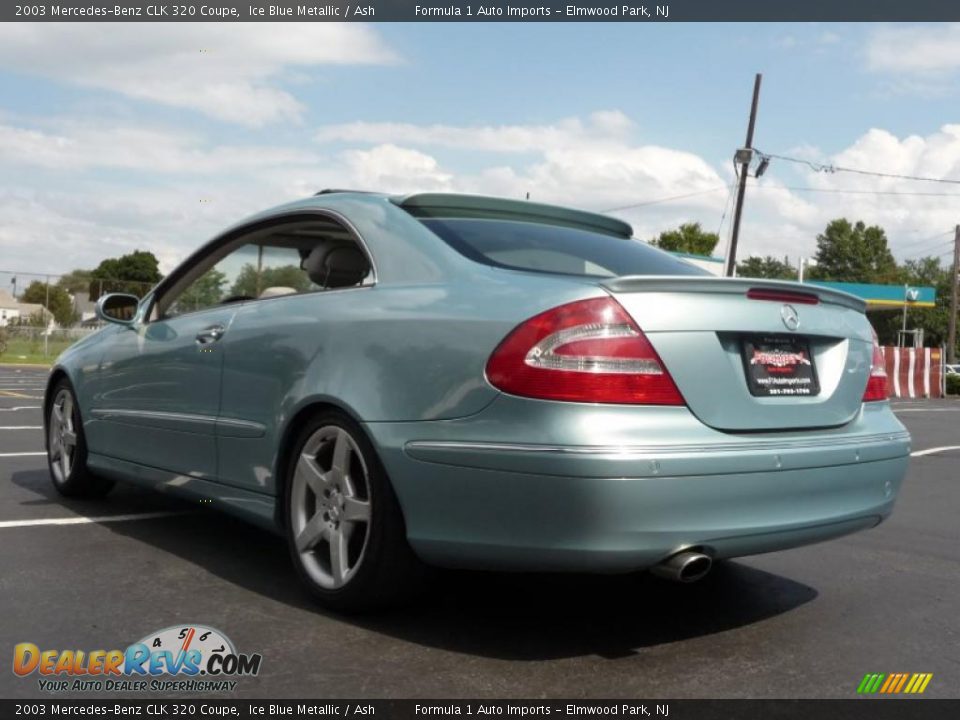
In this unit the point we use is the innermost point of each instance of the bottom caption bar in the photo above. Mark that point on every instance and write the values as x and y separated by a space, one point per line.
863 707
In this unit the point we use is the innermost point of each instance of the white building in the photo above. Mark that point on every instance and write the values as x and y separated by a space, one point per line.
13 311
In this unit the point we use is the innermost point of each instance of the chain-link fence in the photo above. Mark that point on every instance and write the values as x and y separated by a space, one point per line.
23 343
41 314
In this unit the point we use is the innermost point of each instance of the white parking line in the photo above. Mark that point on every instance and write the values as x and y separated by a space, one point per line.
21 427
934 450
23 454
84 520
20 407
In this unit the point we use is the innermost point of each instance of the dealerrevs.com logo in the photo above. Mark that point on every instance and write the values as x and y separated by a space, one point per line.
182 658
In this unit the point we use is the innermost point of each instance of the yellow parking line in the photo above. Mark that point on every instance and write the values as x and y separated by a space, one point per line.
11 393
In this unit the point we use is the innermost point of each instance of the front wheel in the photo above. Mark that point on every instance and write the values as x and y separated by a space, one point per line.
67 448
344 526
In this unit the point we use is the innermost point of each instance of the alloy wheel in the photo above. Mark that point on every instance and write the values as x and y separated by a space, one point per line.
63 436
330 507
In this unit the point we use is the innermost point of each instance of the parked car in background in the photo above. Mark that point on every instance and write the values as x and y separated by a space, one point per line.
952 369
458 381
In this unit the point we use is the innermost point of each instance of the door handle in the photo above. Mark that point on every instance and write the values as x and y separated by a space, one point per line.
210 334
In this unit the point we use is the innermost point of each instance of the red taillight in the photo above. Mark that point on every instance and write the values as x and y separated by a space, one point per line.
877 382
787 296
587 351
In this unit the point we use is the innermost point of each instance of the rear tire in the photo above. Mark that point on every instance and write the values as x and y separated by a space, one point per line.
344 526
67 447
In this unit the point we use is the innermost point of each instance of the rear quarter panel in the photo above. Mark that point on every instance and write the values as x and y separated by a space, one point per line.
388 353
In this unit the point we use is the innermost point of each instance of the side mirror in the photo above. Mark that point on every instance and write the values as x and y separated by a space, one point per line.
118 308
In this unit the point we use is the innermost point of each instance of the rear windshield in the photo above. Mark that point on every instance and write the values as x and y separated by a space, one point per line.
553 249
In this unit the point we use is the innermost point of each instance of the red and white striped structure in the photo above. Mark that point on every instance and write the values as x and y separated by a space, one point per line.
914 372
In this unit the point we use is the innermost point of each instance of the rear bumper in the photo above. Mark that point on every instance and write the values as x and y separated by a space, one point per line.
490 491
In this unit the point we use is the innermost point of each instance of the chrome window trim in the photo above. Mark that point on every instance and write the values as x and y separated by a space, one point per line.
237 233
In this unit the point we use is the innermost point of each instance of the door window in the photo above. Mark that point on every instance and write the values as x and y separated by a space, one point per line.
286 260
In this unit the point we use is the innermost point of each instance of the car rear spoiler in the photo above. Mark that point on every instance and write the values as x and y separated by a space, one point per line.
730 286
448 205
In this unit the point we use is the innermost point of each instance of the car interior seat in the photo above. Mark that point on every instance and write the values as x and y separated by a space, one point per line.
336 264
278 290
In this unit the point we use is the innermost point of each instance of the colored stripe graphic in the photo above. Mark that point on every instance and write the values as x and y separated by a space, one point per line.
894 683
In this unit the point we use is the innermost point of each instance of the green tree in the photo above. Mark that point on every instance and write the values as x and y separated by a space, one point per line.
134 273
76 281
248 284
205 292
688 238
849 252
766 267
926 272
54 298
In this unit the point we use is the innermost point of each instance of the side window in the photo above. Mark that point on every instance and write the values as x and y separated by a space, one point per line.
250 272
270 271
287 260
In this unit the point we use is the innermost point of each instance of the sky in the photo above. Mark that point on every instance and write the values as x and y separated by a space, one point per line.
151 136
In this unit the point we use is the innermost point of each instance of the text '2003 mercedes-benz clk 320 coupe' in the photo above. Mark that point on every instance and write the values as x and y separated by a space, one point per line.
459 381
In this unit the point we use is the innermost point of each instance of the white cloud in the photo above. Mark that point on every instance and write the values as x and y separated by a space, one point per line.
787 42
816 43
914 50
389 168
74 147
787 221
592 162
229 71
600 127
82 214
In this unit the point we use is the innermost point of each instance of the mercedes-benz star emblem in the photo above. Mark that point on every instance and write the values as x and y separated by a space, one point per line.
790 317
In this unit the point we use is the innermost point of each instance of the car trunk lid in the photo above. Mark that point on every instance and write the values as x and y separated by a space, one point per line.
755 355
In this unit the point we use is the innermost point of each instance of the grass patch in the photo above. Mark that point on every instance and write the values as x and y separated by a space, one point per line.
30 351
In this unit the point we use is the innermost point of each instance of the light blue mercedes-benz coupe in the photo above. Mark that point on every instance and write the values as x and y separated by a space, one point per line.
459 381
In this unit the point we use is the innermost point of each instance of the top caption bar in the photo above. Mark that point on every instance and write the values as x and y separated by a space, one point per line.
457 11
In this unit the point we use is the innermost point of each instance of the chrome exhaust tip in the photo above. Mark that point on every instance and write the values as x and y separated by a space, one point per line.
684 567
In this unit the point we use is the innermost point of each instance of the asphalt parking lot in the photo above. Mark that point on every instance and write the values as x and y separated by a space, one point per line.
805 623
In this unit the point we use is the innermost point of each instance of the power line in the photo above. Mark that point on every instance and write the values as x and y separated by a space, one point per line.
793 188
666 199
726 208
928 239
852 191
826 168
925 252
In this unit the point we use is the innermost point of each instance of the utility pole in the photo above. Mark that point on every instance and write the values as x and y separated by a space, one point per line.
952 334
743 156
